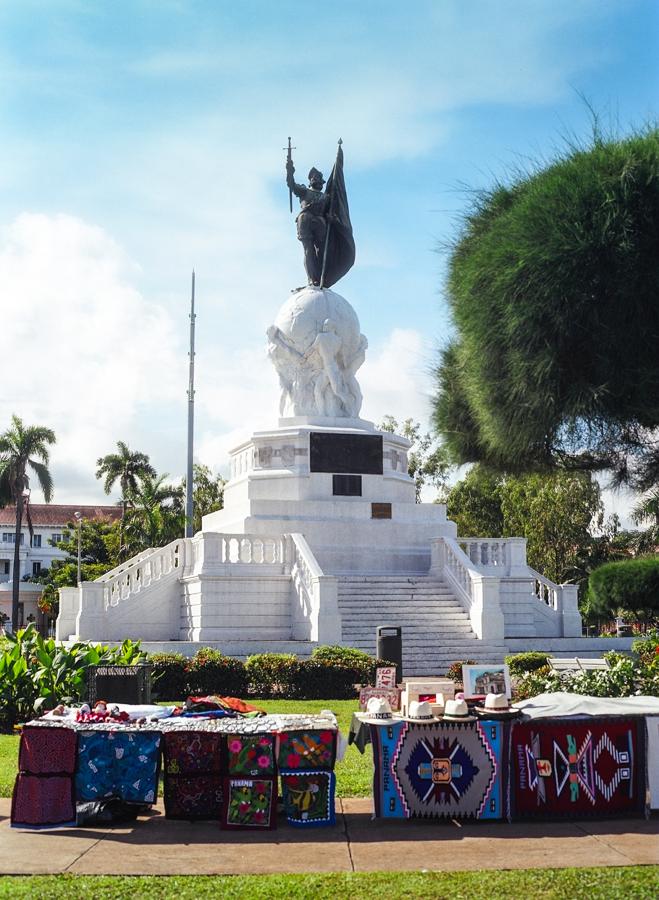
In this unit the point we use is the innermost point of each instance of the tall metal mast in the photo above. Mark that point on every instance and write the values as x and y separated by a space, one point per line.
189 507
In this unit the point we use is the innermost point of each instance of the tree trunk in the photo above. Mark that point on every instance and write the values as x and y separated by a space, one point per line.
124 505
16 582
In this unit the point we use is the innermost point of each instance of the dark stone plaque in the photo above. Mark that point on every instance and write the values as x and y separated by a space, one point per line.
380 510
356 454
347 485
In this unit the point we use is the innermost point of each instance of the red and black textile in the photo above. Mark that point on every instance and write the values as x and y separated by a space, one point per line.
249 803
44 791
193 783
578 767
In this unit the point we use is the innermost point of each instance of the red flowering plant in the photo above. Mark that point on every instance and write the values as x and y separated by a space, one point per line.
251 755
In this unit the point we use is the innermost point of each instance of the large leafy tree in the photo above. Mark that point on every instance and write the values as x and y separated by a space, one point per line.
207 494
23 451
427 461
560 514
128 468
553 286
474 504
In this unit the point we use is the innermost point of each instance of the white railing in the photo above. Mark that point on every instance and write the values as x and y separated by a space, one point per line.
478 591
122 567
546 591
486 552
253 549
315 595
457 567
144 571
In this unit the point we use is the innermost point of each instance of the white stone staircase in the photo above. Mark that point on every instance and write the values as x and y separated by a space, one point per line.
436 628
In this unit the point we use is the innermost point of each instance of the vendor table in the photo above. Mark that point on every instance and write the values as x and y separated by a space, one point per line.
558 767
225 769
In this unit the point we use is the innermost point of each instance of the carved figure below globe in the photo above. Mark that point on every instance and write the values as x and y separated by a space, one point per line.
316 347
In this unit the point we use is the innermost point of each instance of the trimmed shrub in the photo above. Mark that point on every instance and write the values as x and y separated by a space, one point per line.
631 585
210 672
169 675
454 671
274 675
531 661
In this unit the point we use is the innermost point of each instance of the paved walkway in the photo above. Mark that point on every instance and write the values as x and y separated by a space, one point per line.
156 846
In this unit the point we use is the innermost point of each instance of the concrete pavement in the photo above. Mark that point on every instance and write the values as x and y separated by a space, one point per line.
156 846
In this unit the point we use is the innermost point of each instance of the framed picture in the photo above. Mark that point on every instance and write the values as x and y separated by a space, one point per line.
492 679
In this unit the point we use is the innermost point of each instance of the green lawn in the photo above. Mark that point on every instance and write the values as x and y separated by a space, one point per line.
353 774
539 884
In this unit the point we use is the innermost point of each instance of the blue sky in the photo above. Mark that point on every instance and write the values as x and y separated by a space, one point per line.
141 139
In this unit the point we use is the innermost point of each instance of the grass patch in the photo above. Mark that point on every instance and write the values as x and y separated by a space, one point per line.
545 884
354 774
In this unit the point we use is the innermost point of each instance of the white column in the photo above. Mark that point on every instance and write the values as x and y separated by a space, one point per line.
91 619
569 611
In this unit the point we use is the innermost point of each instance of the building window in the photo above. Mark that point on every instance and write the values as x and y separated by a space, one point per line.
4 566
36 540
36 568
55 539
9 537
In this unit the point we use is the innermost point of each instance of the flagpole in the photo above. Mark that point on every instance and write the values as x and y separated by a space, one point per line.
189 487
329 221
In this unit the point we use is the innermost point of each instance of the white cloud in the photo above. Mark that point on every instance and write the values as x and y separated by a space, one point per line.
84 352
395 378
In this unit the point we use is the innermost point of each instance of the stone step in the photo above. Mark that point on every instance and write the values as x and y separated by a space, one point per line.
393 592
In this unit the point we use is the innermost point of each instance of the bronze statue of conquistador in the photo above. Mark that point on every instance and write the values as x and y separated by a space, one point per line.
311 221
323 223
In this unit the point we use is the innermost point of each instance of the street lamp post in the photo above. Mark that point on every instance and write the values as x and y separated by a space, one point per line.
78 517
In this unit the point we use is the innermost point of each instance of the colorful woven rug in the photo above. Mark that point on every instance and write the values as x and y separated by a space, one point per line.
249 803
118 764
578 767
309 798
44 789
192 780
440 769
306 749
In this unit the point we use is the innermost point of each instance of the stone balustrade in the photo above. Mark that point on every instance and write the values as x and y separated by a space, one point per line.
477 590
145 570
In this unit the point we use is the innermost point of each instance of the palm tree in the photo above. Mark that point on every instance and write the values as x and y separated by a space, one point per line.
157 516
22 448
647 510
128 468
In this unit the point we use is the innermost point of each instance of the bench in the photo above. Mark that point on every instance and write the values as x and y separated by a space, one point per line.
577 664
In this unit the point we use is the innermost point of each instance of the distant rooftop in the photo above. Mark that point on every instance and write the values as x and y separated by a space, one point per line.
58 514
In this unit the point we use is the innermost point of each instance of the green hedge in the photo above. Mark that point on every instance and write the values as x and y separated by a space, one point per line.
630 586
531 661
208 672
330 672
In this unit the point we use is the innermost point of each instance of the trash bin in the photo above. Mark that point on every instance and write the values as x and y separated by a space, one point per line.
389 643
119 684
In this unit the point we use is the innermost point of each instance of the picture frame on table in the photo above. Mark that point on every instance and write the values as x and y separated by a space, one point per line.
478 680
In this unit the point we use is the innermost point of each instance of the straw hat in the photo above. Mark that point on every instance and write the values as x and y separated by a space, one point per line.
457 711
378 711
496 706
420 711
